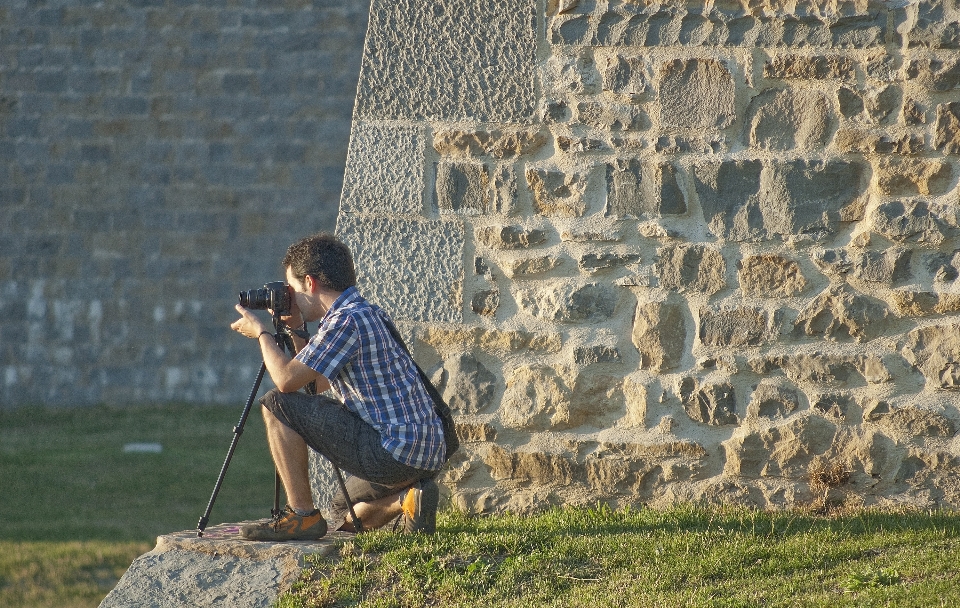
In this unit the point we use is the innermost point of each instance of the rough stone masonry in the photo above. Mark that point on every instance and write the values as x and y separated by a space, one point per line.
670 251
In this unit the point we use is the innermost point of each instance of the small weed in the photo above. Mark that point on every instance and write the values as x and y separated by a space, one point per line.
870 579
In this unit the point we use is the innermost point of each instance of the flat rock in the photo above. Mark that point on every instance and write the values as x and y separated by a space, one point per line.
220 569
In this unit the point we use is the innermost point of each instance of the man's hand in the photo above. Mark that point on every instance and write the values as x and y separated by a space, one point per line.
293 318
248 324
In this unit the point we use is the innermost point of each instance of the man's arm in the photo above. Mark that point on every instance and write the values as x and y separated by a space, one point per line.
287 373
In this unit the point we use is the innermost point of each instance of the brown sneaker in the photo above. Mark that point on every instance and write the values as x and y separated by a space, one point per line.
287 525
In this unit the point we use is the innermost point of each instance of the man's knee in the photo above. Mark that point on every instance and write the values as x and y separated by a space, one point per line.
272 409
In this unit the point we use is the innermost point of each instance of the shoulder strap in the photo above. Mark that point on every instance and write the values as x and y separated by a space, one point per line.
439 405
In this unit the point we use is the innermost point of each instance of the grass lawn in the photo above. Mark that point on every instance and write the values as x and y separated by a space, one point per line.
75 509
682 557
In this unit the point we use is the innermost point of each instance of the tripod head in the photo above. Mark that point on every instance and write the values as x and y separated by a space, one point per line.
284 335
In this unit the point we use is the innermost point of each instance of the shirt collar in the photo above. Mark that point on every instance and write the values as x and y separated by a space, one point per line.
350 294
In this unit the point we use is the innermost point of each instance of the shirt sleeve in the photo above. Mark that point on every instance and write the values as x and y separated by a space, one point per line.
331 349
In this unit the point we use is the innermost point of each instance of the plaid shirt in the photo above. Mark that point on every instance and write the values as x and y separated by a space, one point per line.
376 379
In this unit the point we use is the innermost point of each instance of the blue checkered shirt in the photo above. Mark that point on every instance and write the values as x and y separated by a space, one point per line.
376 379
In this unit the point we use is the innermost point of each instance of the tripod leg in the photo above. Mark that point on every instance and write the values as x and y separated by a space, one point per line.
237 431
357 525
277 482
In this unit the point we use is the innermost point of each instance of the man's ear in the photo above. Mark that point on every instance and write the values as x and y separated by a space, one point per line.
310 284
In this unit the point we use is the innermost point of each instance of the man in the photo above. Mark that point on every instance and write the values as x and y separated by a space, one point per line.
381 428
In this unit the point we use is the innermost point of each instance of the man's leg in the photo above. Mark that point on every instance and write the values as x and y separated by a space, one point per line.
295 421
291 458
376 513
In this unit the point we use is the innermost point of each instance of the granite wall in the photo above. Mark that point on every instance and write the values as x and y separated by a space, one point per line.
668 251
157 157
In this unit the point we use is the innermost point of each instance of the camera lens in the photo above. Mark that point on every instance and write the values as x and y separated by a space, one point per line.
255 299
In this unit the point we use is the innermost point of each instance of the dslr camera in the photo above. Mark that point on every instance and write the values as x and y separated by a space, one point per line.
275 296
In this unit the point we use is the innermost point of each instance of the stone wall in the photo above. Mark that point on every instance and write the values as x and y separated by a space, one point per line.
658 252
157 157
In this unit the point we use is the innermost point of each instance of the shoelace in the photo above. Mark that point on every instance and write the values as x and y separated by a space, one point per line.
277 518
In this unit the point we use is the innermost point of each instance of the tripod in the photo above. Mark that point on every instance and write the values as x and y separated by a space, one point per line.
285 343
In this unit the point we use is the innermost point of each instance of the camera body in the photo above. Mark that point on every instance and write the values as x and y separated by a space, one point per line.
274 296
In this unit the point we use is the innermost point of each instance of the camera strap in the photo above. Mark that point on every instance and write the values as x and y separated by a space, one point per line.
439 405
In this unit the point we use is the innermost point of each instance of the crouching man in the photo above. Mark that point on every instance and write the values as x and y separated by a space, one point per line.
380 425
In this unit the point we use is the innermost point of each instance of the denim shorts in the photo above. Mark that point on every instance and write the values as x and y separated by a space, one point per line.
348 442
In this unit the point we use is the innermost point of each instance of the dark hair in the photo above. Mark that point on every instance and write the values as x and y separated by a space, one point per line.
325 258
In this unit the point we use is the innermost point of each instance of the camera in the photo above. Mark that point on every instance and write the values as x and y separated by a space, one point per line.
275 296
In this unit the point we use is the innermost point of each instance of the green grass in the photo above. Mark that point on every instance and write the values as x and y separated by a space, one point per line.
682 557
75 509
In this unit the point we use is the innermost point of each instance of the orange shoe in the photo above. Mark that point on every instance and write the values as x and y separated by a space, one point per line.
420 507
287 525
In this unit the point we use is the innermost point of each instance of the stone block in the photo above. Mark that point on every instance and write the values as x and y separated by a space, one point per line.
524 267
497 143
935 351
567 302
774 400
947 138
557 194
486 302
504 190
599 353
911 176
913 113
468 432
433 63
882 104
736 327
384 171
689 267
819 368
612 116
696 94
600 261
936 25
714 404
934 73
851 102
743 200
624 75
818 67
910 222
913 422
635 400
573 72
833 262
785 119
769 275
841 312
641 191
783 450
462 188
873 143
455 340
542 468
540 398
889 267
403 248
860 31
837 407
510 237
467 386
659 333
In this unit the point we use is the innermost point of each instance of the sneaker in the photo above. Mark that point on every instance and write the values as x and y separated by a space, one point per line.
420 507
287 525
